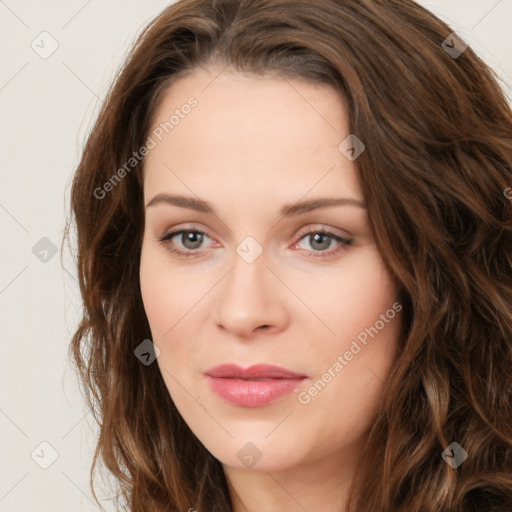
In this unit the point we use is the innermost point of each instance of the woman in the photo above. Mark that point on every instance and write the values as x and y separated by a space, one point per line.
233 363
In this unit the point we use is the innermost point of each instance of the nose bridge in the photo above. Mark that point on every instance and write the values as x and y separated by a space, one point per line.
249 297
248 280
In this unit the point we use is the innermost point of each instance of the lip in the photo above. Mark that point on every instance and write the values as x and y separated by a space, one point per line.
254 372
256 386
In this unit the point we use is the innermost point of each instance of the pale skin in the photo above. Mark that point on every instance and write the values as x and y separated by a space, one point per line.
249 147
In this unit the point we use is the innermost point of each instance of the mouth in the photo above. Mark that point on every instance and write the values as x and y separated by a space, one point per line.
255 386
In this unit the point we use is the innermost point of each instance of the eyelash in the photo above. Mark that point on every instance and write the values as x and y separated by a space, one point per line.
317 254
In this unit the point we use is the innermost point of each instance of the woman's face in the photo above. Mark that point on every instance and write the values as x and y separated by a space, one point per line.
261 284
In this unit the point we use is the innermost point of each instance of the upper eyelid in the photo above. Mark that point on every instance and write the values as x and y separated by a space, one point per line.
319 227
315 226
299 234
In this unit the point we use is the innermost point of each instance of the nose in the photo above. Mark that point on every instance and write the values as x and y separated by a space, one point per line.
251 299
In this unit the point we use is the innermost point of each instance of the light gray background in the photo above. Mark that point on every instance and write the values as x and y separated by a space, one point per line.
47 107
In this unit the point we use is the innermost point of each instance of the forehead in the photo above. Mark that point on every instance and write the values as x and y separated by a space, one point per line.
247 132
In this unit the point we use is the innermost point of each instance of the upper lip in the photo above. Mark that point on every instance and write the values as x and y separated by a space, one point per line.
257 371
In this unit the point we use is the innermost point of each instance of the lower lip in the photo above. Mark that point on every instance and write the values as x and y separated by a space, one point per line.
252 393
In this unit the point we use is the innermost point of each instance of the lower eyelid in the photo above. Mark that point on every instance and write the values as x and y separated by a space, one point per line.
342 242
169 236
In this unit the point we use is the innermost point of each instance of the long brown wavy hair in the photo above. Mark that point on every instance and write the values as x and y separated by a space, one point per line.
435 175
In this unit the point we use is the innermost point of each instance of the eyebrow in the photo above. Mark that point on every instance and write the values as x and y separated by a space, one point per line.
289 210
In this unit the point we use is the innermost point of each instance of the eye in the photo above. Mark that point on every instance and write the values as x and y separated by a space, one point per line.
190 239
322 239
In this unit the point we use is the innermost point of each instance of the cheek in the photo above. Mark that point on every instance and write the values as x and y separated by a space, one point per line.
152 294
173 306
353 299
160 297
167 295
165 306
369 294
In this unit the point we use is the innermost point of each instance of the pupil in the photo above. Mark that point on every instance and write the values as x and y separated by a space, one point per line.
190 235
318 236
